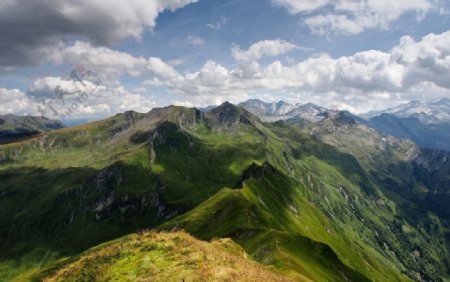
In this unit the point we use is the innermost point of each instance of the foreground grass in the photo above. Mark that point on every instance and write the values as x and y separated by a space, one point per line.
152 256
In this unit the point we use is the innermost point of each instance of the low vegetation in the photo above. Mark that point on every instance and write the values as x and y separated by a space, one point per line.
152 256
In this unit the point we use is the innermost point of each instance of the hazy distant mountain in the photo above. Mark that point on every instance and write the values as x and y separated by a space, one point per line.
282 110
432 135
436 111
208 108
426 123
14 127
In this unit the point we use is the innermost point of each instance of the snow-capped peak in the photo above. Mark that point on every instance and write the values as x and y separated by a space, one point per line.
435 111
283 110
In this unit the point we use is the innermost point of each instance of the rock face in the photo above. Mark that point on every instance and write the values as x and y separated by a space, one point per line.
229 116
124 121
344 118
255 171
178 115
102 192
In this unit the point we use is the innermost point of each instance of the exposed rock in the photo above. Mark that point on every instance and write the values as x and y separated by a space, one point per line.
255 171
111 175
228 115
122 122
343 118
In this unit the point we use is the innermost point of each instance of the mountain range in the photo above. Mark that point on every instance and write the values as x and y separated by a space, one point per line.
317 195
426 123
427 112
282 110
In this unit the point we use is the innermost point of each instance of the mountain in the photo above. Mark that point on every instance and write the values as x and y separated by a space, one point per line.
331 200
282 110
427 112
16 127
426 123
267 110
428 135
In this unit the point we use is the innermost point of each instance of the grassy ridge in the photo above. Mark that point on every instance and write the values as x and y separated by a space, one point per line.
269 219
165 256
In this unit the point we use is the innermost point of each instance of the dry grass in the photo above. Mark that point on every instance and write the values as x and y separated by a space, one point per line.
153 256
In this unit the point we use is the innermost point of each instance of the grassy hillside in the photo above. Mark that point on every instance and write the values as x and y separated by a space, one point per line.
310 209
272 222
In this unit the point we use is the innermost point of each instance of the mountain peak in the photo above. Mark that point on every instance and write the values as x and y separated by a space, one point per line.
344 118
230 115
254 100
226 107
178 114
282 110
267 111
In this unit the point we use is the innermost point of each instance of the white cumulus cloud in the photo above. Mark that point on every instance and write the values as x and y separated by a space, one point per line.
371 78
261 49
363 81
354 16
300 6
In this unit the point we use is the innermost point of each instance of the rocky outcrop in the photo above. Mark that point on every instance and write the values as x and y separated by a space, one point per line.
122 122
181 116
255 171
344 118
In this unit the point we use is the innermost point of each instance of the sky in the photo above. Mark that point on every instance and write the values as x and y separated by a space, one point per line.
85 60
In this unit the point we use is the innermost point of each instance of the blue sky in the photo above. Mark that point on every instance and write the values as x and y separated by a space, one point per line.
348 54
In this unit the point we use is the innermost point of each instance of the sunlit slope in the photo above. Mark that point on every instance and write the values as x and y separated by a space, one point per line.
152 256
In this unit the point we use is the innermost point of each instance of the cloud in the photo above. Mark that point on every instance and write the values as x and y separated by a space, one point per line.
426 60
14 101
261 49
371 78
353 16
109 101
301 6
218 25
33 29
110 64
195 40
363 81
78 100
49 87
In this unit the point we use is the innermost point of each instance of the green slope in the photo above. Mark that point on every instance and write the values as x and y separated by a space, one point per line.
317 213
273 222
